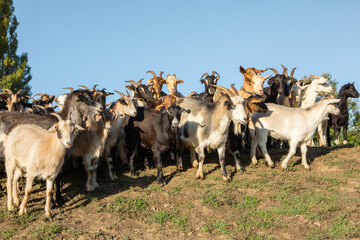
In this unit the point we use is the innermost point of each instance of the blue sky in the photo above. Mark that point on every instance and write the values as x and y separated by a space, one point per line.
70 43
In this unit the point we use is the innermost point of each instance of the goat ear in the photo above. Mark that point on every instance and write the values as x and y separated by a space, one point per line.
202 81
79 128
180 81
229 105
162 81
185 110
242 70
270 81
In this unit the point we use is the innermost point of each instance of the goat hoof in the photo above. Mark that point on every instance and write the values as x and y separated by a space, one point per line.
199 176
227 179
180 167
60 201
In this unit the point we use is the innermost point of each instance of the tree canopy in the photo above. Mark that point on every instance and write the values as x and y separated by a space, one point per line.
14 69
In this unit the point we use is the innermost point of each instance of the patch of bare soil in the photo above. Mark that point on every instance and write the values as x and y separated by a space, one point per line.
261 203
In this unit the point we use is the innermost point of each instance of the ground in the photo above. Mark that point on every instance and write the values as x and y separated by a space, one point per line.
261 203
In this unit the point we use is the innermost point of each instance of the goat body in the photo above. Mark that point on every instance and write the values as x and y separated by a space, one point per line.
282 122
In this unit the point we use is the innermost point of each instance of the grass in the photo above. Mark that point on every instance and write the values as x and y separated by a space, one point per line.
8 233
219 226
211 199
47 231
130 207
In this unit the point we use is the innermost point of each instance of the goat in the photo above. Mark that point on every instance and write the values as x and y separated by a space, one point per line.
141 94
207 126
253 81
14 102
118 110
37 152
316 87
346 91
156 84
277 84
209 81
172 82
155 131
79 105
282 122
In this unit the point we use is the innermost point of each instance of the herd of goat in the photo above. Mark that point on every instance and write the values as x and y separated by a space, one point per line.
36 140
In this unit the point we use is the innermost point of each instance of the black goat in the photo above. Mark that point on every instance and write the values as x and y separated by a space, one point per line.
341 120
155 131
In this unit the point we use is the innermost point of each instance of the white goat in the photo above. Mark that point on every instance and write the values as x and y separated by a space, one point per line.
317 86
37 152
293 124
207 126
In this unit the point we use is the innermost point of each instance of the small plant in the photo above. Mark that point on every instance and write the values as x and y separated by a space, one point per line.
161 217
211 199
47 231
8 233
219 226
131 207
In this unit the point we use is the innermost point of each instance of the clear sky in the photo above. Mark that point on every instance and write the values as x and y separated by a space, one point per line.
75 42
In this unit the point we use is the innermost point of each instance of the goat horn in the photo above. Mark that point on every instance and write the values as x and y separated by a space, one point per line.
152 72
284 71
70 88
273 69
95 87
121 94
84 87
57 116
139 82
39 94
161 73
224 89
128 94
133 83
39 106
205 74
7 90
292 72
314 76
236 92
20 91
31 98
214 72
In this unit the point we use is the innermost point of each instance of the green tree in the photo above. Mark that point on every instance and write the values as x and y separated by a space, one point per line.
14 69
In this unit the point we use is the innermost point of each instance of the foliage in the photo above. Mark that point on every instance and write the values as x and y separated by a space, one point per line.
14 69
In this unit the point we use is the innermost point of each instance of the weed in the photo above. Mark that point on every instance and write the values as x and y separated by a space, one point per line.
211 199
8 233
25 219
131 207
161 217
47 231
219 226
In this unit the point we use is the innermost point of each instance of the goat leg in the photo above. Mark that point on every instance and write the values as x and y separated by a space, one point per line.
59 200
159 165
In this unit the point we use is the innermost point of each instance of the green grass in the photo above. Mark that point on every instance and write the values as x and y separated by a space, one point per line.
25 219
164 217
47 231
219 226
8 233
211 199
130 207
339 229
161 217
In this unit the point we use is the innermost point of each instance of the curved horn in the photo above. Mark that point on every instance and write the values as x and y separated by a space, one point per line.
70 88
213 73
284 70
31 98
7 90
39 106
95 87
152 72
236 92
20 91
121 94
139 82
161 73
57 116
133 82
205 74
273 69
39 94
292 72
227 91
84 87
314 76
